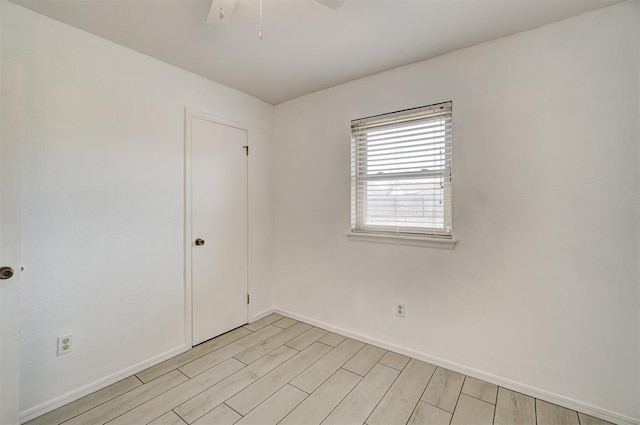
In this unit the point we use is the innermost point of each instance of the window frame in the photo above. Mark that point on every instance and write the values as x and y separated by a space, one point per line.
404 235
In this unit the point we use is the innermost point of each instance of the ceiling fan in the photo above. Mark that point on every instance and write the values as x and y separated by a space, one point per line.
221 10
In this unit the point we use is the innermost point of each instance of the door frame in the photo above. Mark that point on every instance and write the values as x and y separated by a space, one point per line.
190 114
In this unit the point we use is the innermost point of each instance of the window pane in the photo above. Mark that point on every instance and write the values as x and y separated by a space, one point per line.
405 203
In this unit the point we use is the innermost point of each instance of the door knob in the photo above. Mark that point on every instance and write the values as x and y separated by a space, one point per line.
199 242
6 273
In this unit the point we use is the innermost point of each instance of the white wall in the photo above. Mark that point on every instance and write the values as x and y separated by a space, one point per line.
542 288
10 187
103 203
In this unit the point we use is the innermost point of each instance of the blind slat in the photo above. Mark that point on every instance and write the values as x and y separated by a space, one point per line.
437 128
436 162
408 150
404 175
395 138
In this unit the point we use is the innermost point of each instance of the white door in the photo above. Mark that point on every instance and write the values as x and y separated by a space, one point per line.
10 136
218 227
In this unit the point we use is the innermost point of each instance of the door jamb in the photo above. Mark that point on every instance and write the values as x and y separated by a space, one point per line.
189 114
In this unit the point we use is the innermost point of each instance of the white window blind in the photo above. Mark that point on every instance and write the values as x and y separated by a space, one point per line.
401 172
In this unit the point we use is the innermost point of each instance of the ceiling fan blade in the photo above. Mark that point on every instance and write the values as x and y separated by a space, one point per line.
332 4
220 11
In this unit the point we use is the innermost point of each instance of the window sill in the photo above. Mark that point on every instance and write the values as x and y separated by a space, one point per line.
425 241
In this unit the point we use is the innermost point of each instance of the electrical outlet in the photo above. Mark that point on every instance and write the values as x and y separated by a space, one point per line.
400 309
65 344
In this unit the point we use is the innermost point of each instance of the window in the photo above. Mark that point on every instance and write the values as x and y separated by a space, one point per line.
401 174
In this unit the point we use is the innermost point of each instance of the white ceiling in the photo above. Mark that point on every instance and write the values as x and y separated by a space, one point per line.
306 46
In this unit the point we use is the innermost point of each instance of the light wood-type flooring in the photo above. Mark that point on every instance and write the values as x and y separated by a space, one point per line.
281 371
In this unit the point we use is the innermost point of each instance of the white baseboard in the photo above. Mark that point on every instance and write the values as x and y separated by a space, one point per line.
50 405
262 314
567 402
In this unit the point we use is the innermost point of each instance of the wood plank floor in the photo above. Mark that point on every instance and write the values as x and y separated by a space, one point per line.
281 371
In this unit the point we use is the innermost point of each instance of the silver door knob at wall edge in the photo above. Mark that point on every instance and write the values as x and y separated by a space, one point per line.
199 242
6 273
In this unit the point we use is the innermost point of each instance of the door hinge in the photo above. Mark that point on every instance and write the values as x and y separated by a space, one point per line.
248 298
246 149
